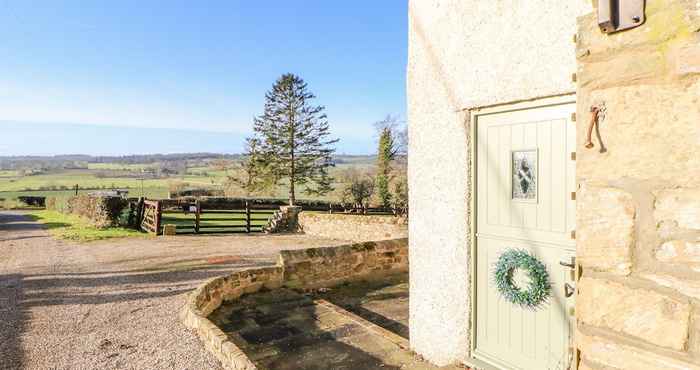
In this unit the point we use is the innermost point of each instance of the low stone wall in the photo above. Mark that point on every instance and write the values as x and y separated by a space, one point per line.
101 211
209 296
323 267
300 269
358 228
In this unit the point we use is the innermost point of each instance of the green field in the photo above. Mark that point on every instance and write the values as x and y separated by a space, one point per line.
127 176
210 221
118 166
93 179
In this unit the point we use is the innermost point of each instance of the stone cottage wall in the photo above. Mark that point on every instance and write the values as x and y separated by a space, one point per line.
358 228
638 203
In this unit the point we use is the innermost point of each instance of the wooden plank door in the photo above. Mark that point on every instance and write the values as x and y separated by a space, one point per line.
525 177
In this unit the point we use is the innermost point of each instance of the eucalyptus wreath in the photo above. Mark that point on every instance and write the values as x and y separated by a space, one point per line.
539 287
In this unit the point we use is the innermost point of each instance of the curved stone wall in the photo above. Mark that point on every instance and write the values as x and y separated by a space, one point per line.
298 269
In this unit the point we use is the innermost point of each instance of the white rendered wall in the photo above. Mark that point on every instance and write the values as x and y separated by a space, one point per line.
465 54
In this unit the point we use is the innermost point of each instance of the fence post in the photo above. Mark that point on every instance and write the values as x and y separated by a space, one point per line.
247 217
158 217
198 211
132 215
140 209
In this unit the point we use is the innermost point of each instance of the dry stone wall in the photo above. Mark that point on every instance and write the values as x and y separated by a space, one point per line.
323 267
638 203
101 211
358 228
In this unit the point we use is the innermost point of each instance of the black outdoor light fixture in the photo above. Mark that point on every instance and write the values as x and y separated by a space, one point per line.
620 15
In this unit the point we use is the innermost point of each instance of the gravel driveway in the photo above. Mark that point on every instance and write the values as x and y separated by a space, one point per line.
112 304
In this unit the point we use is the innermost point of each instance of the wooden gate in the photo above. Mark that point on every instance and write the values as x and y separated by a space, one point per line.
204 218
152 214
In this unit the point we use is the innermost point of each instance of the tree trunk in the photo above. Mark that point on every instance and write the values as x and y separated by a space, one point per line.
292 149
292 196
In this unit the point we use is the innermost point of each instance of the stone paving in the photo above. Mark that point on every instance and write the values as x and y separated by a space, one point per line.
283 329
384 302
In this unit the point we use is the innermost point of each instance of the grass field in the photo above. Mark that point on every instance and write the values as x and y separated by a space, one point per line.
210 221
118 166
71 227
60 183
91 179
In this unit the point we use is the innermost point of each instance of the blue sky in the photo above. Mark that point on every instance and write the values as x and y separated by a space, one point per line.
195 68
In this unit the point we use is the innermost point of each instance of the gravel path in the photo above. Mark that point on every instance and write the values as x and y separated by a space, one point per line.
113 304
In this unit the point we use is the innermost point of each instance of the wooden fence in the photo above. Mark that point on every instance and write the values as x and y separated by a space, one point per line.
224 215
201 217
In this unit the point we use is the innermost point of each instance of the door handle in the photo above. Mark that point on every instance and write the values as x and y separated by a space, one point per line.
571 265
569 290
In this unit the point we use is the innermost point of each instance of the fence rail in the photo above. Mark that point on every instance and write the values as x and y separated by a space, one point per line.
221 215
200 217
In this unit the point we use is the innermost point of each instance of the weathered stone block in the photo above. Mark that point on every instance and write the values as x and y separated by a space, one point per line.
252 288
605 235
694 344
689 287
681 252
686 60
625 68
666 20
642 313
643 142
678 208
619 356
169 230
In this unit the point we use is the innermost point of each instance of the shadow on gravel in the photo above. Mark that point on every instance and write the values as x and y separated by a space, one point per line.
18 222
13 318
117 286
21 238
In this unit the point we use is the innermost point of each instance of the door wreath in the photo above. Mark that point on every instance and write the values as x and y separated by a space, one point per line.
539 287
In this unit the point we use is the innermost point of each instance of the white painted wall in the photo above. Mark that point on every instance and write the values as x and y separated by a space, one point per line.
465 54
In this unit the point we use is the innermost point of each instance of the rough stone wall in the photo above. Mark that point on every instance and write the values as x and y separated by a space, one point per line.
328 266
284 220
638 207
465 54
358 228
210 295
101 211
298 269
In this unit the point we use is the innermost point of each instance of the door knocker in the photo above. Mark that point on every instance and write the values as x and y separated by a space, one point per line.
597 114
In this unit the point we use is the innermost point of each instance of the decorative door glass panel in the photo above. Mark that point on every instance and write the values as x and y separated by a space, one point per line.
524 175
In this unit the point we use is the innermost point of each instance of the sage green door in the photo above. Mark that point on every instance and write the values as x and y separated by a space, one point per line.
524 183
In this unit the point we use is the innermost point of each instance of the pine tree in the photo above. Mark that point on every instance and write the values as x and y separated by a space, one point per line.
294 144
386 153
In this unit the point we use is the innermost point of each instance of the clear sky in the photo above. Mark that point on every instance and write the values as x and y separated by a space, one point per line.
190 66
